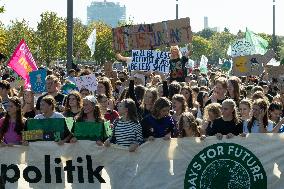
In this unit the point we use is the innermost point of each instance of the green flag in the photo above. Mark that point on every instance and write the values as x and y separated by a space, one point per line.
260 45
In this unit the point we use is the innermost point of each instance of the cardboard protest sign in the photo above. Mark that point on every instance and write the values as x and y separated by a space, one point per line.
88 130
251 64
150 60
151 36
276 72
108 129
53 128
69 122
37 79
32 135
67 88
88 82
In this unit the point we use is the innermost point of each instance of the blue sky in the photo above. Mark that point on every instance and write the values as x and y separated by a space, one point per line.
234 14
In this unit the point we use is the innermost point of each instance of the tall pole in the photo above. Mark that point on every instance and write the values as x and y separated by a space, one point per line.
69 34
273 35
176 9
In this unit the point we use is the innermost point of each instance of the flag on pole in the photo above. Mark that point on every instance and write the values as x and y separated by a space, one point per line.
203 64
91 42
259 44
22 62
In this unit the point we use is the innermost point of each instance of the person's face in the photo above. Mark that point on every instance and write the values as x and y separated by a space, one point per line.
176 105
174 52
230 89
72 101
244 110
205 98
156 80
28 96
187 128
84 93
101 89
51 86
164 112
88 106
185 93
148 98
227 110
219 90
104 102
121 76
11 109
73 74
45 107
3 92
211 116
275 114
121 108
256 110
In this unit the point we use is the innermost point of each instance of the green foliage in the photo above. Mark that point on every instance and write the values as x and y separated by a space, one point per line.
206 33
220 43
51 32
201 46
3 39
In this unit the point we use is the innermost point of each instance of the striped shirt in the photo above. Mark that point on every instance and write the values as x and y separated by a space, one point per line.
126 133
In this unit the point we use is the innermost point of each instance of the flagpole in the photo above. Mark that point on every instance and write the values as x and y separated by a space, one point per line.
273 35
69 35
176 9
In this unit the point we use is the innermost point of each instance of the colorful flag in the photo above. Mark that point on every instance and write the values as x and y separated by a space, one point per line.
91 42
22 62
259 44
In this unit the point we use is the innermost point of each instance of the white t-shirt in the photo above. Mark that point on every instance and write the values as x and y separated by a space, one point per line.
255 127
54 115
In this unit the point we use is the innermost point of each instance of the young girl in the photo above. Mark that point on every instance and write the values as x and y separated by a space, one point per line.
188 126
229 124
127 130
245 110
179 106
211 112
90 112
259 122
275 112
29 110
159 124
13 123
109 114
74 104
233 84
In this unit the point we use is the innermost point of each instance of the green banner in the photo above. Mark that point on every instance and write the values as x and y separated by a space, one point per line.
89 130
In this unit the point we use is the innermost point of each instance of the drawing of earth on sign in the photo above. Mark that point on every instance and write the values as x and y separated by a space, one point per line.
241 64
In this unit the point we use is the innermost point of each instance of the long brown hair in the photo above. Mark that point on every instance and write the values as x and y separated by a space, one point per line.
189 100
180 98
132 110
161 103
97 113
262 104
19 118
192 123
108 87
236 85
79 100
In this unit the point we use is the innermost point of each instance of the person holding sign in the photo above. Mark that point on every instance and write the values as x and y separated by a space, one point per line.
89 123
47 107
13 123
178 71
127 130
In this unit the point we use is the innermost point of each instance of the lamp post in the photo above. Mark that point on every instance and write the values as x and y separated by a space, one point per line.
69 34
273 35
176 9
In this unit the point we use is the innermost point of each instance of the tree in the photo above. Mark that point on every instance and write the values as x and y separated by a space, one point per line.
18 30
51 32
226 30
201 46
220 43
278 45
206 33
3 39
104 49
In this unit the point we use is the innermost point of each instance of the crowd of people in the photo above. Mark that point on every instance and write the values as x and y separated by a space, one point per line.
182 103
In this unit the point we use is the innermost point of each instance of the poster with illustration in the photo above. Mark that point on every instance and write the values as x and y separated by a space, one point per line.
87 81
37 79
276 72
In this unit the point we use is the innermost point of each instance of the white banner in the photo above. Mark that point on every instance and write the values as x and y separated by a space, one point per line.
254 162
150 60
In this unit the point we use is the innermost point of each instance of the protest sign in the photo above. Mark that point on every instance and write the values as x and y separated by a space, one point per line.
150 60
53 128
87 82
253 162
32 135
151 36
89 130
67 88
22 62
91 41
251 64
276 72
37 79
